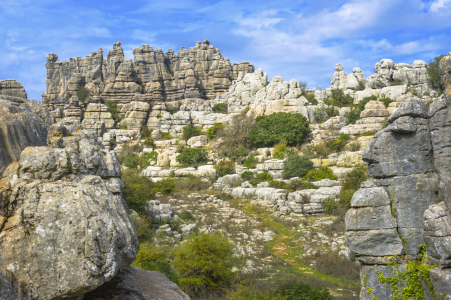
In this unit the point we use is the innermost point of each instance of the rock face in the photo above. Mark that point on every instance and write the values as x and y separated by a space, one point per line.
339 79
371 119
11 87
198 72
397 211
64 226
23 123
138 284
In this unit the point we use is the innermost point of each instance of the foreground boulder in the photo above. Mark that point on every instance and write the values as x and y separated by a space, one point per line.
138 284
64 226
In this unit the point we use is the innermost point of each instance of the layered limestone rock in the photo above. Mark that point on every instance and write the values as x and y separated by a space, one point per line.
23 123
339 79
98 112
64 226
11 87
198 72
371 119
135 114
253 91
407 203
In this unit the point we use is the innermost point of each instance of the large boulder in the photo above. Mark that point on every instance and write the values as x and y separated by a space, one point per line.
64 226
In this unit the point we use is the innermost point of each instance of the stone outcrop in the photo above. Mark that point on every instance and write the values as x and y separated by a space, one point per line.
64 226
138 284
23 123
11 87
397 211
371 119
198 72
339 79
253 91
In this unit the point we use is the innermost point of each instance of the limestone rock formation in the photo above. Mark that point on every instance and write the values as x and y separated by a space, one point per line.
64 226
138 284
356 80
371 119
339 79
397 211
23 123
11 87
198 72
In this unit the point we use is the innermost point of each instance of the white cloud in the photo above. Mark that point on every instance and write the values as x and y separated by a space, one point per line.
441 6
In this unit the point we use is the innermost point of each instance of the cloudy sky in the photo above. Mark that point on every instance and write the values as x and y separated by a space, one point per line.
294 39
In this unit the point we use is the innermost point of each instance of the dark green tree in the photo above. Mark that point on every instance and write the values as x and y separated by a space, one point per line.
434 79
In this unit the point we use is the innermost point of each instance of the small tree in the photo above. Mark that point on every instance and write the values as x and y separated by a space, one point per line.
83 94
113 110
296 166
190 130
225 167
204 261
434 79
192 156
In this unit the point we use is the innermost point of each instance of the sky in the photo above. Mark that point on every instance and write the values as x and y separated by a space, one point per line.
293 39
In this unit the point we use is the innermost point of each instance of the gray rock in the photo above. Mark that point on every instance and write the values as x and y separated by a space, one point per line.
440 279
374 242
373 196
437 231
189 228
137 284
370 218
413 107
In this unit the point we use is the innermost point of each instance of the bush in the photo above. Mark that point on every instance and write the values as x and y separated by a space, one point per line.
311 98
260 177
338 144
238 154
137 190
172 109
204 261
192 157
147 157
302 291
224 167
320 174
149 142
190 130
354 146
187 216
83 94
192 183
353 116
338 98
332 264
322 113
131 160
365 100
386 101
296 166
299 184
434 79
113 110
145 131
269 130
236 135
277 184
244 292
166 135
280 150
220 108
247 175
165 186
369 133
251 162
153 258
213 131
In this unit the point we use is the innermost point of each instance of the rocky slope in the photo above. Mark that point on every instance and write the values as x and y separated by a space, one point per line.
64 226
397 211
23 122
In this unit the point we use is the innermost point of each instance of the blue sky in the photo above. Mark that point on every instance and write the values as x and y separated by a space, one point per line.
294 39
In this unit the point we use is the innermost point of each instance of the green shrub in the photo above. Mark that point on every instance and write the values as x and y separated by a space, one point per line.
236 136
338 144
172 109
365 100
83 94
165 186
166 135
192 183
280 150
299 184
277 184
269 130
220 108
302 291
224 167
147 157
192 157
143 226
320 174
123 127
153 258
238 154
131 160
213 131
338 98
311 98
113 110
187 216
190 130
354 146
149 142
296 166
159 116
322 113
247 175
386 101
204 262
353 116
251 162
145 131
369 133
137 190
260 177
434 79
244 292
